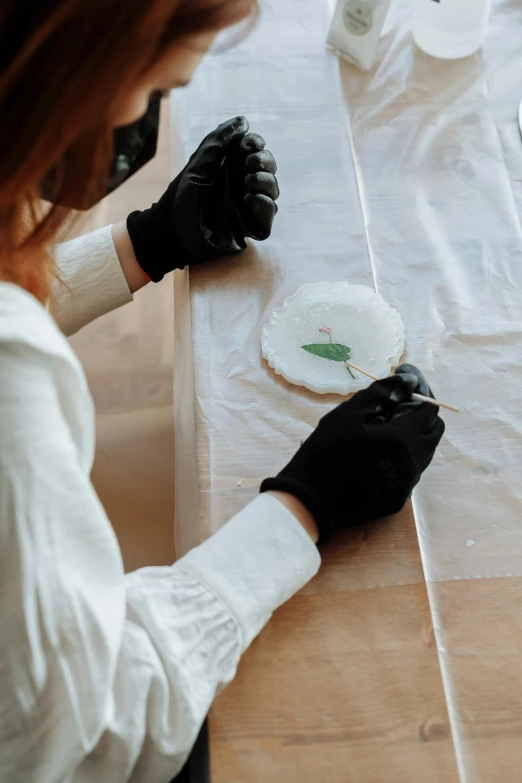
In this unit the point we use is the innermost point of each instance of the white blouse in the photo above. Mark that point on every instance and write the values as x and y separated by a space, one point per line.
107 677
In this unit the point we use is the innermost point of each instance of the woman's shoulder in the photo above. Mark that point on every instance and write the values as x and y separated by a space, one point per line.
25 322
42 385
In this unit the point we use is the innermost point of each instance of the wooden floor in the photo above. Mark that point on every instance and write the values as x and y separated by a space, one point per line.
128 358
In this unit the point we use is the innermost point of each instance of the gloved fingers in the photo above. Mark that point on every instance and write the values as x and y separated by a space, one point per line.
214 147
422 414
228 132
214 215
390 400
383 397
263 182
435 434
258 215
261 161
376 403
426 447
251 143
422 383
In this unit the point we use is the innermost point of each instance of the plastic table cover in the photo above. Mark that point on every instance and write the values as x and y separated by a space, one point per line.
408 179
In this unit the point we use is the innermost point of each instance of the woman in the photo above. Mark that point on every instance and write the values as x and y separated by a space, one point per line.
107 677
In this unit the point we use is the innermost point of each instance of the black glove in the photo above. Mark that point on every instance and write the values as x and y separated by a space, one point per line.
366 456
225 193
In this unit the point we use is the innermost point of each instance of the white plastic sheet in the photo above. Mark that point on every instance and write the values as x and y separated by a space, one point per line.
408 179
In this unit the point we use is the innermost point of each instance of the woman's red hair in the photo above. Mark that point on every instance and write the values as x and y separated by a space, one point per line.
64 65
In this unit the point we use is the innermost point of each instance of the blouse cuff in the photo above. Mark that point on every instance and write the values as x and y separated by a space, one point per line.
255 563
94 280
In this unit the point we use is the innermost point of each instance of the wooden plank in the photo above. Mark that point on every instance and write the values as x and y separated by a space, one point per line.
482 638
344 682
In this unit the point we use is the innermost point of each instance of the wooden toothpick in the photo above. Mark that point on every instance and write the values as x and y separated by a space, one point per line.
414 395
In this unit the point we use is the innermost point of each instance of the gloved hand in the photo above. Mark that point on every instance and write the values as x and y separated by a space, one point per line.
366 456
225 193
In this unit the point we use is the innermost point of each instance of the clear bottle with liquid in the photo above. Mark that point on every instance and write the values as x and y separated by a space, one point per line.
450 29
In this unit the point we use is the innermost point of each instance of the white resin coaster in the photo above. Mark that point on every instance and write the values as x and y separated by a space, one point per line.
342 316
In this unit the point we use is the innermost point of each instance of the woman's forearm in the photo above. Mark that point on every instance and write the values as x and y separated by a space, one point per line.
134 274
300 512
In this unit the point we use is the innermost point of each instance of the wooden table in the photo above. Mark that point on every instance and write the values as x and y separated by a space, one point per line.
344 683
402 660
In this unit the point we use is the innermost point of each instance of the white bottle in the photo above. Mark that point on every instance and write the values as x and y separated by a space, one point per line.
391 18
356 29
450 29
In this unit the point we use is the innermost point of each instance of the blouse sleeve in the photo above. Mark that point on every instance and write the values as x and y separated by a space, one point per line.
107 677
92 281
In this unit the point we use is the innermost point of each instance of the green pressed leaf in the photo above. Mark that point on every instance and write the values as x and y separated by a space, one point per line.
334 351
